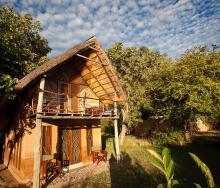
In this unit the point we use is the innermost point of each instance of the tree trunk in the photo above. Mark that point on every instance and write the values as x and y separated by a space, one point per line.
122 134
124 126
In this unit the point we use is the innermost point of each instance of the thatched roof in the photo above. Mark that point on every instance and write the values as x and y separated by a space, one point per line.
40 71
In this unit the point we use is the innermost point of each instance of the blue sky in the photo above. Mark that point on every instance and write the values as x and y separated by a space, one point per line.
170 26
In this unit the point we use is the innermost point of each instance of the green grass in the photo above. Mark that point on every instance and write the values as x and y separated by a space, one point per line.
207 147
134 169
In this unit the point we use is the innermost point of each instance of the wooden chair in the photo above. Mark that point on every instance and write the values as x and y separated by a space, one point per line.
102 156
50 167
65 166
54 168
94 111
94 156
99 156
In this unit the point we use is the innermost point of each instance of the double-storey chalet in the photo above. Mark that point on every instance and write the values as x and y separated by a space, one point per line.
59 110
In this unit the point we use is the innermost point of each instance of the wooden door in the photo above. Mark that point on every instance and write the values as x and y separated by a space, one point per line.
65 144
71 145
75 146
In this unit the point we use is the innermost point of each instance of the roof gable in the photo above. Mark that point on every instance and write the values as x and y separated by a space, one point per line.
96 66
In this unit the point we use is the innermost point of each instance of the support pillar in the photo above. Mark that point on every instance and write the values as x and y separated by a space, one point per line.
116 130
37 143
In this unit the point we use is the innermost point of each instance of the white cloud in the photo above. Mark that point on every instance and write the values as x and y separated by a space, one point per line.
162 25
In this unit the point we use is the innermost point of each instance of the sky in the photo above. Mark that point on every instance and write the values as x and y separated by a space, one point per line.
168 26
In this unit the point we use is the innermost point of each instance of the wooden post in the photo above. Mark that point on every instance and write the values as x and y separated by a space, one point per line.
116 131
84 104
37 143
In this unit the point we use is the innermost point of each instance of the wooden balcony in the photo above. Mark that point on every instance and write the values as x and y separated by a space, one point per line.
65 106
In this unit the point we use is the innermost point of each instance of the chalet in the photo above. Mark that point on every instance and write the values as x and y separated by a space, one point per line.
61 104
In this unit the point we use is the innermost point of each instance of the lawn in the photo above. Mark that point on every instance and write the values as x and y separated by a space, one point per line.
134 169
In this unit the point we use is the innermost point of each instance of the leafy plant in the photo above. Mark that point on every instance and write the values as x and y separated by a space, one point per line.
205 170
22 48
165 164
172 137
135 67
188 88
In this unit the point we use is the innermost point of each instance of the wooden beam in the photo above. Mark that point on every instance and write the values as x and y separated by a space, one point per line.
90 59
93 48
102 90
109 87
103 78
73 83
100 59
102 84
98 81
116 130
76 117
87 58
103 73
105 94
99 91
37 143
94 98
92 71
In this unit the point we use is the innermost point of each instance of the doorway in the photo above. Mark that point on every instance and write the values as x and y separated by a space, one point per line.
71 145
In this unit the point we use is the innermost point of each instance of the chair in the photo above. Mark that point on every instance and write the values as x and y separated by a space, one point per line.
102 156
98 156
94 111
65 164
94 156
54 168
50 167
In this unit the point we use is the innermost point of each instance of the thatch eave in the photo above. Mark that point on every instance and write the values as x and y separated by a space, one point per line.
52 64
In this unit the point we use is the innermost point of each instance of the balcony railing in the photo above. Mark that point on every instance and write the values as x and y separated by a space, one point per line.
64 104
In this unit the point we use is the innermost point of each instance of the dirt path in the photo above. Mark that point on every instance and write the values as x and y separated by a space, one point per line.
79 174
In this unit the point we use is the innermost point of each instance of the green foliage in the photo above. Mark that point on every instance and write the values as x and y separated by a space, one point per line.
188 88
7 85
197 185
172 137
165 164
107 127
205 170
135 67
21 48
179 91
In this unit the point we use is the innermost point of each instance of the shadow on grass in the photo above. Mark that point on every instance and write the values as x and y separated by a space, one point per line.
207 148
129 173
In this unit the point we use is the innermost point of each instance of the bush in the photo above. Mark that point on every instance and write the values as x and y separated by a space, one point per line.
107 127
174 137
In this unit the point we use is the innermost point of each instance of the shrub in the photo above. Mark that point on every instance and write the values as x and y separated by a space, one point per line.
107 127
173 137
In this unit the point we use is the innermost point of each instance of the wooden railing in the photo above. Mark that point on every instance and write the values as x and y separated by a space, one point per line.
61 103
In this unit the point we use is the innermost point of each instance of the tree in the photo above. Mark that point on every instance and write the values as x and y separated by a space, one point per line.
189 88
21 48
135 67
